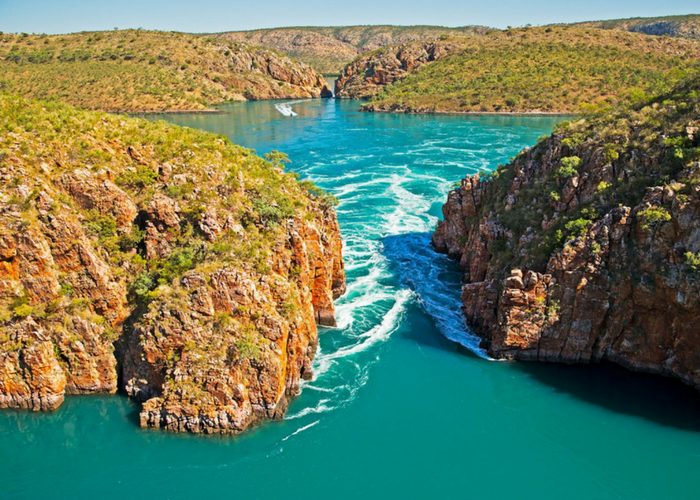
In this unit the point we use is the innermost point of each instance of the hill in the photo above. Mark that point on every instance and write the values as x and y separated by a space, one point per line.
168 260
586 247
330 49
552 69
677 26
141 71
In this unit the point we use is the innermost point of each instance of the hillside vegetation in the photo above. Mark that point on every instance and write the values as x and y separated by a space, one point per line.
677 26
553 69
136 70
330 49
206 266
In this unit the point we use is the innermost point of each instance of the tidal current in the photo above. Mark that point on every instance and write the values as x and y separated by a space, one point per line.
403 403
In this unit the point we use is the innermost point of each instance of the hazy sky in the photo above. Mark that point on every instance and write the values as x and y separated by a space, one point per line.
63 16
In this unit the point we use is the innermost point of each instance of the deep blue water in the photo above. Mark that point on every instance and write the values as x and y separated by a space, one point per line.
403 403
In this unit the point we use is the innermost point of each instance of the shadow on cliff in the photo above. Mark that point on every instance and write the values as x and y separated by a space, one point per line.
662 400
436 281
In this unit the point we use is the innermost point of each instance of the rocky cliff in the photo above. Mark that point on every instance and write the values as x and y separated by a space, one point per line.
366 76
145 71
330 49
186 268
587 246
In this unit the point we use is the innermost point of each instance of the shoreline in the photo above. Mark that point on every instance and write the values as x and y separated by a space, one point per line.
473 113
169 112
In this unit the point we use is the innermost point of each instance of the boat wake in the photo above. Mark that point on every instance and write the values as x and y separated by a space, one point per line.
285 109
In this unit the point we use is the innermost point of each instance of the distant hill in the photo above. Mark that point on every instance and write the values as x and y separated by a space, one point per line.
549 69
330 49
677 26
135 71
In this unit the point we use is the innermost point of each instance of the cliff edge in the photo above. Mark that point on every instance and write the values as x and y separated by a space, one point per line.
587 247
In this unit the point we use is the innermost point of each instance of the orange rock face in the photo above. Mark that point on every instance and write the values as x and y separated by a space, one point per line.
301 80
196 277
236 349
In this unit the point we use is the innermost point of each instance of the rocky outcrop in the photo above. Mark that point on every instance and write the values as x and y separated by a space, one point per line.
366 76
290 79
196 276
232 347
676 26
585 248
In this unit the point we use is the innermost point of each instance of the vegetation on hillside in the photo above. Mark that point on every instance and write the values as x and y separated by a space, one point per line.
553 69
190 265
330 49
612 158
42 142
131 70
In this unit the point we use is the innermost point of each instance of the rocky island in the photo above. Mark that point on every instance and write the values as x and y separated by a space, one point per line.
164 261
586 247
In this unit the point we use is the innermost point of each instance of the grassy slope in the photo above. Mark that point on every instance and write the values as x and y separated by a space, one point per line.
43 142
129 70
554 69
330 49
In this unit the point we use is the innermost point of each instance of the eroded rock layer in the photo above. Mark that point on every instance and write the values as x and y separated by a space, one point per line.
587 246
206 266
369 74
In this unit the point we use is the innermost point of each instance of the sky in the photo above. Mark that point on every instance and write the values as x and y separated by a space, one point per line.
66 16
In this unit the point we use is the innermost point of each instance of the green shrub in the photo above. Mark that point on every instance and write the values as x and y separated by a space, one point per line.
603 188
102 225
653 216
692 260
569 167
577 227
246 347
139 178
23 310
141 285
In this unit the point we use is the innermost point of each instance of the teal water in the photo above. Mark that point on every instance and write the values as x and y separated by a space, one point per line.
403 404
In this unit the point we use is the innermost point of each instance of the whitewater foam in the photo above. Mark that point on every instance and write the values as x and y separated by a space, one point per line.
301 429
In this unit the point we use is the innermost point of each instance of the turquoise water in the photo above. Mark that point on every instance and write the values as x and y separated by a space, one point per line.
397 409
